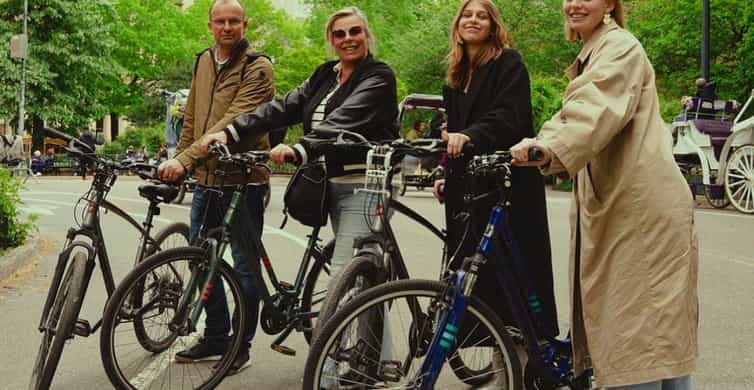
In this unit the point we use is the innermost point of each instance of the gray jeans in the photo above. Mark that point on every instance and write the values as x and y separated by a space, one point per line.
348 223
682 383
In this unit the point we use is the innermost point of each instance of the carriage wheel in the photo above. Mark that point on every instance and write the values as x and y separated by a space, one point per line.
739 179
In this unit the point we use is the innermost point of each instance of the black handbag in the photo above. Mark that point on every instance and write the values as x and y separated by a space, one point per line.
305 197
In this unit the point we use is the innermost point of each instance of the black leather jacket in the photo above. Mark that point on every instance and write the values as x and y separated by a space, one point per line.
366 103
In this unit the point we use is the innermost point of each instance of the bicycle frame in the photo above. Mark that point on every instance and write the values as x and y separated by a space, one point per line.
551 361
92 229
216 247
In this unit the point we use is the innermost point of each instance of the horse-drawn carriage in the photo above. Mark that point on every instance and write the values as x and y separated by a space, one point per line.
429 110
714 147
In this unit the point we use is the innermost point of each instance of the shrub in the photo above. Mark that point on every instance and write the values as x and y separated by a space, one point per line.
13 231
152 137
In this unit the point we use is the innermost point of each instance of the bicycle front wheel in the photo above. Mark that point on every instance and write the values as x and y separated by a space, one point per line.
162 281
60 322
391 355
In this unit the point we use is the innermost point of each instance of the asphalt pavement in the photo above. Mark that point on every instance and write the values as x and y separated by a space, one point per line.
726 285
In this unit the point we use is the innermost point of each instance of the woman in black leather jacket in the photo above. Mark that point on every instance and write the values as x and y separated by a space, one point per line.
354 93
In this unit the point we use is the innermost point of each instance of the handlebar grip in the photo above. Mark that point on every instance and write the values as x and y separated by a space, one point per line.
536 154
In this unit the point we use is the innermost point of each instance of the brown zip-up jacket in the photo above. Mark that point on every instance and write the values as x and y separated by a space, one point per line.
219 94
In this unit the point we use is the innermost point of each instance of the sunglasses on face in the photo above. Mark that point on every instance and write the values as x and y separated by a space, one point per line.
353 32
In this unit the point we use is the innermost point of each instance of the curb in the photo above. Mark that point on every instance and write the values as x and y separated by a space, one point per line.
21 256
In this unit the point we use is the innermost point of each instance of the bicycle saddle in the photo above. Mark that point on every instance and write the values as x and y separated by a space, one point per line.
158 192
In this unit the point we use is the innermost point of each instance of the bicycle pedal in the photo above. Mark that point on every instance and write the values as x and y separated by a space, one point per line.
283 349
82 328
390 371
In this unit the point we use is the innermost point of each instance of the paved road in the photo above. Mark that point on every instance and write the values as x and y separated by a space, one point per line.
726 287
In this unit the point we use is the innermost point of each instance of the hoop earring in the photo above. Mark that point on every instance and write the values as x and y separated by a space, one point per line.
606 19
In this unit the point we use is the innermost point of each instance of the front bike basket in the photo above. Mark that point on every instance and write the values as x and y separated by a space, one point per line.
379 170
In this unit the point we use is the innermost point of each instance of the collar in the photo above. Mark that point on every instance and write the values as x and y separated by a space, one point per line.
594 40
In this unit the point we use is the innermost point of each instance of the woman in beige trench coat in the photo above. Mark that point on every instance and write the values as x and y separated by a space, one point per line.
634 255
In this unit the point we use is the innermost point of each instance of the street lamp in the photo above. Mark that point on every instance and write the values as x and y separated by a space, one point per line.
19 49
705 39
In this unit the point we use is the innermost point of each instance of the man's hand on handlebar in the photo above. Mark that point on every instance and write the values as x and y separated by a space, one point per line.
171 171
522 151
209 139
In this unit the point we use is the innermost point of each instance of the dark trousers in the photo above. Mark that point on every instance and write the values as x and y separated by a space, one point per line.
218 323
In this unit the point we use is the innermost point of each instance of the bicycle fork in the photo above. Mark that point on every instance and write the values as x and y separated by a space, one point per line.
445 336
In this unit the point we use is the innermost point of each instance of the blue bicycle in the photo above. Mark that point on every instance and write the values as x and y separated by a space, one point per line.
423 325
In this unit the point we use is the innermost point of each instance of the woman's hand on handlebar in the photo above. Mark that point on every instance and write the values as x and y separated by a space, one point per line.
454 142
282 153
209 139
437 190
171 171
522 151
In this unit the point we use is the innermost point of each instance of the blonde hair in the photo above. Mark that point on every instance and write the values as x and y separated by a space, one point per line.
342 13
499 39
617 14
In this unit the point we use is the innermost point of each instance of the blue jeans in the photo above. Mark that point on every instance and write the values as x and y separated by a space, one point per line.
217 323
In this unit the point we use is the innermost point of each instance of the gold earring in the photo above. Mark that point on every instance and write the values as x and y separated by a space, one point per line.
606 19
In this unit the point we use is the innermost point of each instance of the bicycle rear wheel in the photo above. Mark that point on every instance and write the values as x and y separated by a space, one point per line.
162 280
175 235
60 322
409 309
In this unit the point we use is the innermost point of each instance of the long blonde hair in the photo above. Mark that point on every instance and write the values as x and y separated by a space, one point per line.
617 14
342 13
459 66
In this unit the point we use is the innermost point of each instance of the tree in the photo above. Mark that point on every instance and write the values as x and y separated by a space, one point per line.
70 57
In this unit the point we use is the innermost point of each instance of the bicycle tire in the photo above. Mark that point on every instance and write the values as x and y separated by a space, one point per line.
181 194
363 270
142 336
176 228
194 257
62 318
321 262
382 297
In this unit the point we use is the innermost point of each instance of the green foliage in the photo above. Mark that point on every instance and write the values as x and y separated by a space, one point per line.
546 98
152 137
70 44
13 231
671 34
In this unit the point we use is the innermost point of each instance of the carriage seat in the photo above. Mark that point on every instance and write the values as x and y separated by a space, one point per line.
717 130
697 107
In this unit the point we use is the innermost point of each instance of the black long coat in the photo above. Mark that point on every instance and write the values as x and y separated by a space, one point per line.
496 114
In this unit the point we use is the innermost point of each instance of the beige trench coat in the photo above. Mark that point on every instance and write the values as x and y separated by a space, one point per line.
634 254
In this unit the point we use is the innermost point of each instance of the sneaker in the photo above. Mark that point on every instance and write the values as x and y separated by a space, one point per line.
200 351
241 359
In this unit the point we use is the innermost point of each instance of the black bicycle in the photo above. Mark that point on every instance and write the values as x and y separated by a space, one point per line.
377 257
433 323
85 247
175 284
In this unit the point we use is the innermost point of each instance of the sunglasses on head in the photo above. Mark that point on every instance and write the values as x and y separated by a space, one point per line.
353 31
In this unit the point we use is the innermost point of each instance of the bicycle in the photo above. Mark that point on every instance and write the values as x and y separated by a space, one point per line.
178 282
377 256
447 321
59 321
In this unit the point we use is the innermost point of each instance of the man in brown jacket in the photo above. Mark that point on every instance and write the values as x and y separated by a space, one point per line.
228 79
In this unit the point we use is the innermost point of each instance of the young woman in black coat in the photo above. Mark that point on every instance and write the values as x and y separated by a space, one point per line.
488 104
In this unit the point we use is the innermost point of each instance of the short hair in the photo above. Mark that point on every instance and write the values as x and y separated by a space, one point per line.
617 14
342 13
216 2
